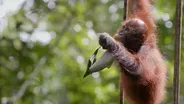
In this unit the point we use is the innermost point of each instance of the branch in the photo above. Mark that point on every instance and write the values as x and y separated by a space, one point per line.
121 83
177 53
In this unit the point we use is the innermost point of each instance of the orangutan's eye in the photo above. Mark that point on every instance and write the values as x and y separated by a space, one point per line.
127 29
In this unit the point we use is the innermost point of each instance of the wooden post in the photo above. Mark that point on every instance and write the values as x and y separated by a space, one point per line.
121 92
177 52
125 10
121 83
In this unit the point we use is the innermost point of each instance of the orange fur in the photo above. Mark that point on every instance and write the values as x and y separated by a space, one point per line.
136 51
148 88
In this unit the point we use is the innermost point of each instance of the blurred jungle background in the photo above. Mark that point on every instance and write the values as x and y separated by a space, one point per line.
45 46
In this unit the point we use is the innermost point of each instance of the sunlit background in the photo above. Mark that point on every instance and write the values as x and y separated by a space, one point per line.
45 46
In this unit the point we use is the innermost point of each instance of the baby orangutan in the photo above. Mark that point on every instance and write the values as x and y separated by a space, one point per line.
135 50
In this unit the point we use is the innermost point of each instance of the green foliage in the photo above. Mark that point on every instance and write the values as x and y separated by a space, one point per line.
33 71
